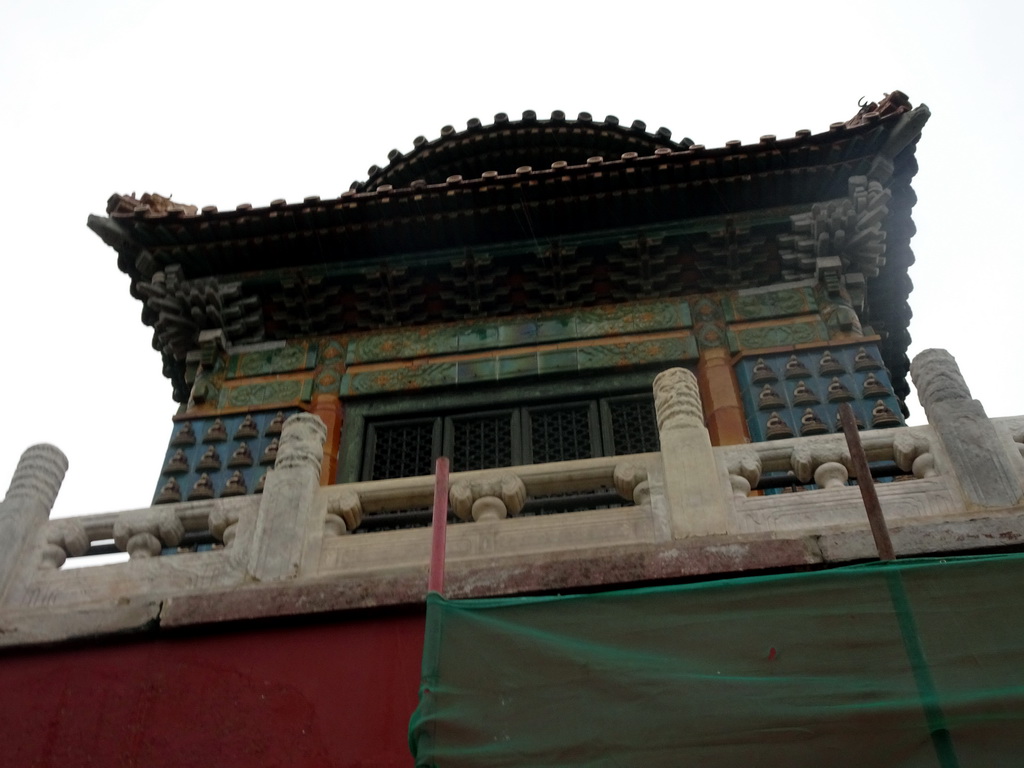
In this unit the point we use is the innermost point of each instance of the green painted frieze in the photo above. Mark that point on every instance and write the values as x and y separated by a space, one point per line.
293 357
761 305
589 323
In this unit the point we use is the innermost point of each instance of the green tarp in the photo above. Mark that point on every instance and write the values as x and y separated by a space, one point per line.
915 663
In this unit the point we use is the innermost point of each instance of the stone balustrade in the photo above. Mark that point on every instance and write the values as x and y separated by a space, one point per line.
690 509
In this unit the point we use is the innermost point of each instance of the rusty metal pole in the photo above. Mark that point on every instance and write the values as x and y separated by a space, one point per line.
942 738
439 527
879 530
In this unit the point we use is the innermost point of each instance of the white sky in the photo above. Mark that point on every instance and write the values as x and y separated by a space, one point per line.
223 103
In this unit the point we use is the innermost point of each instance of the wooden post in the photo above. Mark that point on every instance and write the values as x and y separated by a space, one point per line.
879 530
439 526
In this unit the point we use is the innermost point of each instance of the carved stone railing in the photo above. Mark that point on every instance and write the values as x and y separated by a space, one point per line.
825 460
821 467
691 508
490 501
488 494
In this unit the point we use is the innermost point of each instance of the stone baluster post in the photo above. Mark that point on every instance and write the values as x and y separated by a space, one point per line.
493 496
696 491
26 508
290 523
744 466
62 538
631 482
146 534
978 455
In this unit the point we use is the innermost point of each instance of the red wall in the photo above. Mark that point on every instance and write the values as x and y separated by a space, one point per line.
318 695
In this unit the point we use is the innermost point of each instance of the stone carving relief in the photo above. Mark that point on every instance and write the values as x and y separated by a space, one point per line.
744 467
301 443
223 524
776 428
491 497
807 457
937 378
631 482
344 512
38 476
62 538
145 534
677 400
831 474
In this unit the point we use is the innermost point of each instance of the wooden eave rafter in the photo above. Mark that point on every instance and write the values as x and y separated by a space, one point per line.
743 178
542 205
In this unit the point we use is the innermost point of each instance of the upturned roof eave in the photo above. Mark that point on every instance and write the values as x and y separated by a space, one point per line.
592 185
147 239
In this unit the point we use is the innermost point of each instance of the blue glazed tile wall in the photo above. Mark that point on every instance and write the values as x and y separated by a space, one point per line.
193 453
791 412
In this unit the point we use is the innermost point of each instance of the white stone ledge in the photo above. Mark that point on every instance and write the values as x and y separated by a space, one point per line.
539 479
819 511
491 541
692 512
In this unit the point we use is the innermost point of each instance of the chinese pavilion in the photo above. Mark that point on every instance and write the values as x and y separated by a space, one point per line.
506 294
633 349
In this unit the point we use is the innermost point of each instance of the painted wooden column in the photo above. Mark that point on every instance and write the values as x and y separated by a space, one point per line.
719 389
329 409
720 394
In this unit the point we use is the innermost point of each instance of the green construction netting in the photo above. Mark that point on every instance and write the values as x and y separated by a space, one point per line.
916 663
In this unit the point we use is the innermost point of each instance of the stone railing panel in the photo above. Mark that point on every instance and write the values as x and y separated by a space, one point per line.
493 496
695 507
839 506
825 461
344 513
744 466
631 482
146 534
63 538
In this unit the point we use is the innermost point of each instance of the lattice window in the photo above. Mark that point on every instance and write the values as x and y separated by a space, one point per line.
482 441
526 434
401 449
563 432
631 425
533 434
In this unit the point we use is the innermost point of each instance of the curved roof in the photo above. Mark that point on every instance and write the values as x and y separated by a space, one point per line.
507 145
400 223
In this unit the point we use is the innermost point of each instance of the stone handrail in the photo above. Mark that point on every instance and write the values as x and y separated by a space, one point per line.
625 474
827 457
689 509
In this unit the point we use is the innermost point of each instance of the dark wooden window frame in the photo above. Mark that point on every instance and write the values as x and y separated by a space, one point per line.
362 413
